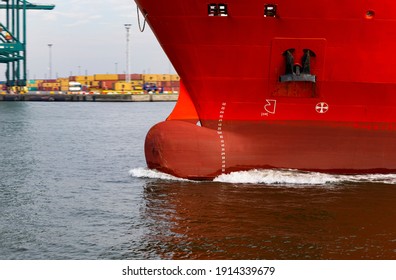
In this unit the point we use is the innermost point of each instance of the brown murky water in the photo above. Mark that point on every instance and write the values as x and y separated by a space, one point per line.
256 221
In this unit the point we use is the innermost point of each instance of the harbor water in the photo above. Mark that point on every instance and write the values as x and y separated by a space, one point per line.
73 185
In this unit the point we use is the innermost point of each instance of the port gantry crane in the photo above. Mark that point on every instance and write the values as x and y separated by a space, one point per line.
13 40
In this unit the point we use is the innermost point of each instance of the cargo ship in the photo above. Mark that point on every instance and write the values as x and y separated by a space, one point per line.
306 85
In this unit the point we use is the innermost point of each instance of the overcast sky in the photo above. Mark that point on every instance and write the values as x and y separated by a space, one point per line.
89 37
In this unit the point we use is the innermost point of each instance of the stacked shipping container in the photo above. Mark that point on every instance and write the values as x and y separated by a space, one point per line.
114 83
163 83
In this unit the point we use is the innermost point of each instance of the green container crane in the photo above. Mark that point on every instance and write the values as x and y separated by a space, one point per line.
13 39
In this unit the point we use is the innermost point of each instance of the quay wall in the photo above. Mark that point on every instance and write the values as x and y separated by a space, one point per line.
90 97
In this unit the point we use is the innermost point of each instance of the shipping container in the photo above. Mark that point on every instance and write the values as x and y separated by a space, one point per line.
163 77
50 85
171 90
74 86
81 79
122 77
49 88
122 86
60 80
136 77
106 77
175 84
175 77
164 84
95 84
136 82
106 85
150 77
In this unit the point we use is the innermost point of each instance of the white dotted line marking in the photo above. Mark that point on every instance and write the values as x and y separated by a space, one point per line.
221 136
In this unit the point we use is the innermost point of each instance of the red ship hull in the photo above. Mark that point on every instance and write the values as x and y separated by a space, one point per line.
240 64
189 151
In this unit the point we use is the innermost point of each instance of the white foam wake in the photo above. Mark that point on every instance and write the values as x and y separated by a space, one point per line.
276 177
294 177
152 174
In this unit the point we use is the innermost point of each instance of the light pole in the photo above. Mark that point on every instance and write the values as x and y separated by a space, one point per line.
127 27
50 60
116 67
